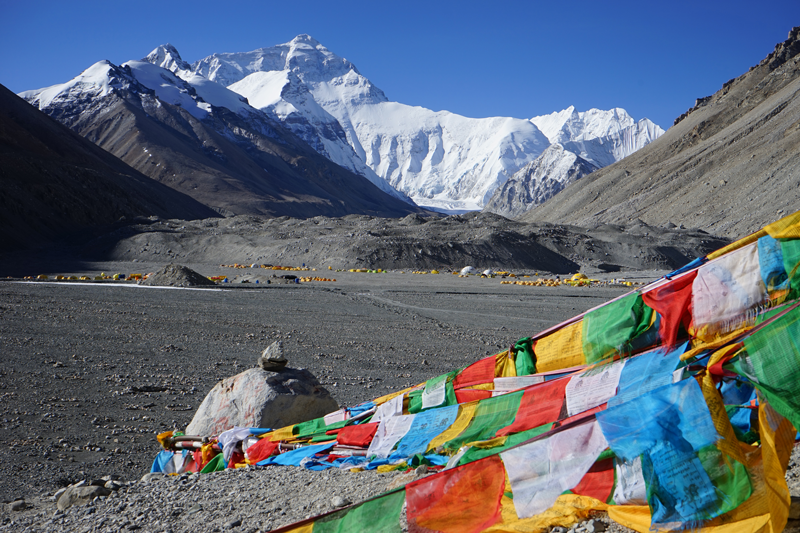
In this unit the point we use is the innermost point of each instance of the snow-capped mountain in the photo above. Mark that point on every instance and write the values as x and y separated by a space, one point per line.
281 94
200 138
538 181
600 137
439 159
198 96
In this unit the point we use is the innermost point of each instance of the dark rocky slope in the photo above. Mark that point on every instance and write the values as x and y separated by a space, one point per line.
53 182
482 240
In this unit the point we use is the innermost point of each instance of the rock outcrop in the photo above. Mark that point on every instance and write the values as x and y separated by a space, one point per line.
538 181
257 398
77 495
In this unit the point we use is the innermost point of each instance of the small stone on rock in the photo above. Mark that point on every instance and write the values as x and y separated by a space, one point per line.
232 524
272 358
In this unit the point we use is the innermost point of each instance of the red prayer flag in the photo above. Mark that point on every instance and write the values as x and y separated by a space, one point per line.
360 435
672 301
472 395
261 450
236 458
598 481
476 373
465 499
540 404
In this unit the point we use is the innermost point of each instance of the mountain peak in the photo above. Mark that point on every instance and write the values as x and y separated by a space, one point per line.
167 56
305 38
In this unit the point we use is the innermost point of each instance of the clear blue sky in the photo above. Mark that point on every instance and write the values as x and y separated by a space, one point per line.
479 59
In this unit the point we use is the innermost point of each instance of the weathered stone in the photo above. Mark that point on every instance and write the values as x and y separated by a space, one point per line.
794 509
80 495
113 485
18 505
257 398
594 526
147 478
338 501
232 524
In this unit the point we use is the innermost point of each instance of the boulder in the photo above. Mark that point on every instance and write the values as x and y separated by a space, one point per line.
258 398
80 495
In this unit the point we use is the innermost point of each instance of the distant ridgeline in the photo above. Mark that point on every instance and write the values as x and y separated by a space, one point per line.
673 406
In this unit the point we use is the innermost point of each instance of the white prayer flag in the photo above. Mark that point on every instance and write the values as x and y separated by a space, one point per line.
540 471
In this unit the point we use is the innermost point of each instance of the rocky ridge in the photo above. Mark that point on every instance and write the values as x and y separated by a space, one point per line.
483 240
57 183
726 167
538 181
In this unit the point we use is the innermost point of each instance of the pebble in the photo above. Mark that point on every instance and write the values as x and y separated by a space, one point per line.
271 497
18 505
232 524
338 501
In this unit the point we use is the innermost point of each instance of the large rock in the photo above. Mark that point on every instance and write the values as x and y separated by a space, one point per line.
174 275
257 398
80 495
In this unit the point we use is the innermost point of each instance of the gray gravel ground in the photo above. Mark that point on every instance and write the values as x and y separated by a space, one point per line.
91 372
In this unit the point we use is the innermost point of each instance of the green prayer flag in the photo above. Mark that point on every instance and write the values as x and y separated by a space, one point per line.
216 464
791 263
772 362
473 454
524 358
381 515
415 397
492 414
306 429
612 328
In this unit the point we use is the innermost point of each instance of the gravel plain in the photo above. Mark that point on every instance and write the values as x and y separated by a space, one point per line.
92 371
